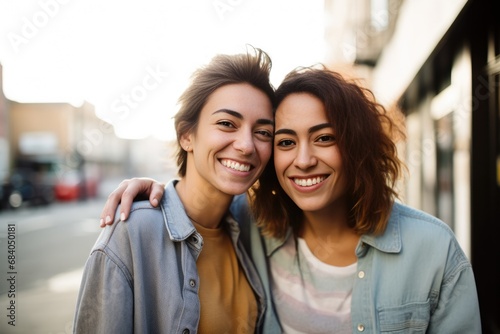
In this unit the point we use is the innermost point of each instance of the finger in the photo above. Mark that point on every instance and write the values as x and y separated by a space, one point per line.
157 190
127 199
135 187
108 212
125 194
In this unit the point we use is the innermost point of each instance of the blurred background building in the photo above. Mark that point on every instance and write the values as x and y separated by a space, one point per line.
436 63
59 152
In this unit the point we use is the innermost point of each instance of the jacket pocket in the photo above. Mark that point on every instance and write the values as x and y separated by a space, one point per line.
408 318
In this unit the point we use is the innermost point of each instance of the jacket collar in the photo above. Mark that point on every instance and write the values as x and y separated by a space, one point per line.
388 242
178 224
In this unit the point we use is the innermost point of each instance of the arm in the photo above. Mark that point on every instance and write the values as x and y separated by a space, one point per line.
125 193
105 301
458 307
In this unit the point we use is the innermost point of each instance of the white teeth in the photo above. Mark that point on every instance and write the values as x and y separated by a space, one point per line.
309 182
236 165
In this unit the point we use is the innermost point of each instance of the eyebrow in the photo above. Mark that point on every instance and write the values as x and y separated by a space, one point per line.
311 129
240 116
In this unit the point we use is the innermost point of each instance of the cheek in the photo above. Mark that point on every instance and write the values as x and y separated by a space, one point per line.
279 162
265 150
336 160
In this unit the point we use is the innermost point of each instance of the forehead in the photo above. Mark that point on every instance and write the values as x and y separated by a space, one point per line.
243 98
300 109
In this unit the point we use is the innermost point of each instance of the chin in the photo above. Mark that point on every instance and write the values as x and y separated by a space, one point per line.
310 205
235 190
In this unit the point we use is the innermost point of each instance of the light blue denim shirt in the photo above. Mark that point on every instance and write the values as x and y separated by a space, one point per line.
414 278
141 276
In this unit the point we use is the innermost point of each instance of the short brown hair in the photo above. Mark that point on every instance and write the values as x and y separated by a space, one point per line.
368 153
253 68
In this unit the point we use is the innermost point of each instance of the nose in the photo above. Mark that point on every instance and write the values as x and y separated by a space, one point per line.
305 157
245 144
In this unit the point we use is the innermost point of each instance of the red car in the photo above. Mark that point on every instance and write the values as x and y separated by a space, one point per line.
72 186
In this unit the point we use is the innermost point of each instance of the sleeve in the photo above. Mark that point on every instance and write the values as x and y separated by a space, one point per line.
105 299
458 307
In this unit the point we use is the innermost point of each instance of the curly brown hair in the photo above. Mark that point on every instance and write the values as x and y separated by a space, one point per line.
362 127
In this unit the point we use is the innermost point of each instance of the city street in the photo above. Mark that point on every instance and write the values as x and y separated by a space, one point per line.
42 253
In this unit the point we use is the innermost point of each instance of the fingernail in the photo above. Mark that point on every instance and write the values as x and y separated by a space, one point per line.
108 219
155 202
122 216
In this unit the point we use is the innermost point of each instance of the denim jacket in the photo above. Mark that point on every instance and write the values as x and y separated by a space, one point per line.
141 276
414 278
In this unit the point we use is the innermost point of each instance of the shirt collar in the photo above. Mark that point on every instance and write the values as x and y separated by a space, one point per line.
390 240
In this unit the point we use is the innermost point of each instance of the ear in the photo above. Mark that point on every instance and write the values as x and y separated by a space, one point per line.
186 142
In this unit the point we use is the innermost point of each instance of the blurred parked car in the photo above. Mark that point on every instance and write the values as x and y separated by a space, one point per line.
72 185
26 187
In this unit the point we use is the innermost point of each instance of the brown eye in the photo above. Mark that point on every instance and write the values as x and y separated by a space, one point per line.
226 124
285 143
264 133
326 139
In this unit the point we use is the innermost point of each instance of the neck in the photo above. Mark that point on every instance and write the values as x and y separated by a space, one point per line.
204 205
329 236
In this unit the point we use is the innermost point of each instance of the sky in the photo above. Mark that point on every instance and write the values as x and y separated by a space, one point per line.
132 59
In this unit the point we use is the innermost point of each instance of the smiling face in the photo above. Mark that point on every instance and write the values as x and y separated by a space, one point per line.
233 140
306 156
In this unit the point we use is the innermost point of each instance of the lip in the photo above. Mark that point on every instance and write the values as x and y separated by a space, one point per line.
236 166
308 183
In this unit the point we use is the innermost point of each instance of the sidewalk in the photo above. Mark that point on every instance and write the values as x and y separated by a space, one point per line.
48 309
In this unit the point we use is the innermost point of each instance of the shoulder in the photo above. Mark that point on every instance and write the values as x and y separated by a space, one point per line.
417 221
144 220
426 235
143 211
412 231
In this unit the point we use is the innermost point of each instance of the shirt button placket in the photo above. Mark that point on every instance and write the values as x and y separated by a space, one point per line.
361 327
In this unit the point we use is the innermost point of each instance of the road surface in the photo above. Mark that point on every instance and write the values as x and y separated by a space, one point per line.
42 253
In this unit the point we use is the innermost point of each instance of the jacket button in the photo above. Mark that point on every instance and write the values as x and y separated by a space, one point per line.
361 274
185 331
192 283
361 328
